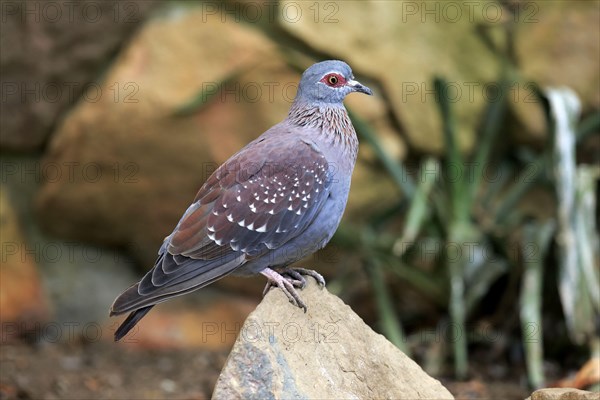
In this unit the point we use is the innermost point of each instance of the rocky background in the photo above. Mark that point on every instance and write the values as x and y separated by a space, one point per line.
114 113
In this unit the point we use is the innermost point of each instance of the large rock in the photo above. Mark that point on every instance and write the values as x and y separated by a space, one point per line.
23 302
208 319
67 271
403 45
326 353
557 45
563 394
131 164
52 51
122 169
554 41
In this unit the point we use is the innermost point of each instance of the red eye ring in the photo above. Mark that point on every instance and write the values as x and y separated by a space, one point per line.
334 80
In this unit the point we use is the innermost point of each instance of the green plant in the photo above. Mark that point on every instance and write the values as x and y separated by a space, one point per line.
474 217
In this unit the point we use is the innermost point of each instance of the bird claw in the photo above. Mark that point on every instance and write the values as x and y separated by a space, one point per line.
308 272
293 277
288 280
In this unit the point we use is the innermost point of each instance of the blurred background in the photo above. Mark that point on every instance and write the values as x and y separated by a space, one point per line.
470 239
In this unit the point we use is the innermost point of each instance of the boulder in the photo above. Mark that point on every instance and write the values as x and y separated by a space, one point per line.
52 51
207 319
563 394
132 160
187 93
23 301
553 41
326 353
402 45
553 44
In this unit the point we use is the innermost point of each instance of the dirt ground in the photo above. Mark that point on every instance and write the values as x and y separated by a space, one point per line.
103 370
106 371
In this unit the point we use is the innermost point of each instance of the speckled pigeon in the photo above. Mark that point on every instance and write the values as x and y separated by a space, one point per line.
274 202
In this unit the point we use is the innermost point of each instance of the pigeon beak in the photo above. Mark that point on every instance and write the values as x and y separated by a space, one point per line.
359 87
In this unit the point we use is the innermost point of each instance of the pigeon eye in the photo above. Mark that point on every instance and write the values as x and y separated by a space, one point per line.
333 80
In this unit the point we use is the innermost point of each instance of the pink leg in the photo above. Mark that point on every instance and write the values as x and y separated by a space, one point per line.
288 280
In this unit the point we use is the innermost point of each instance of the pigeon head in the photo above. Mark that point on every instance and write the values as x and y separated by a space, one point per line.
328 82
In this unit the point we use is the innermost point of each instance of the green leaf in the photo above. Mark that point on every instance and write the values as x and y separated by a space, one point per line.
396 169
419 207
390 324
491 127
454 161
574 291
537 237
588 240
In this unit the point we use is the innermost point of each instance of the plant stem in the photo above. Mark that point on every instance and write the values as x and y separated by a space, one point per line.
396 169
531 298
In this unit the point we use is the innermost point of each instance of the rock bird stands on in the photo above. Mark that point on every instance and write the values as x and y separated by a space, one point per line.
276 201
